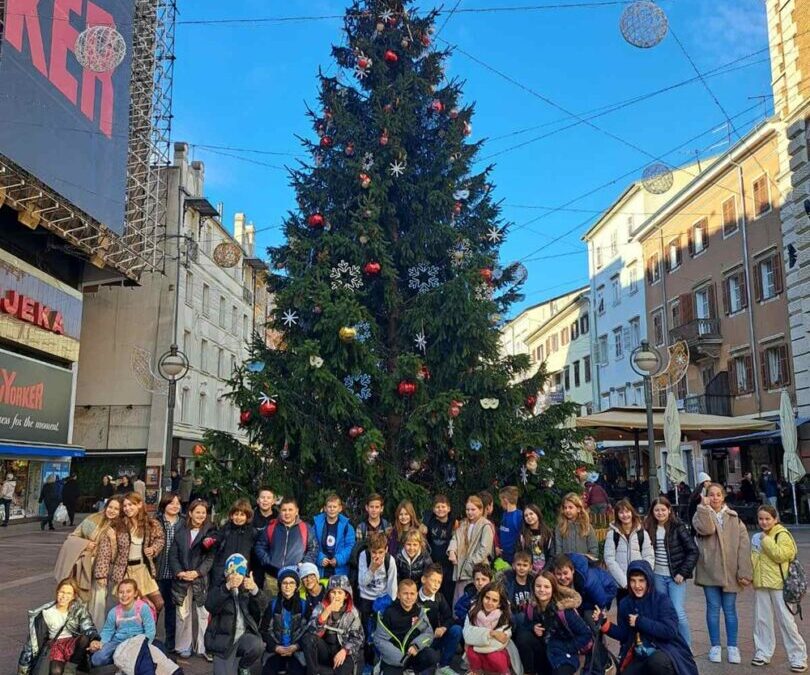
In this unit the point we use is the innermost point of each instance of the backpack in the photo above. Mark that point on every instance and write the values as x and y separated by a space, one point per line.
639 534
139 603
794 584
302 529
585 649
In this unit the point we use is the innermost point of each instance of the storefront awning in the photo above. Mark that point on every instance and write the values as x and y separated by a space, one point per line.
624 424
756 438
18 449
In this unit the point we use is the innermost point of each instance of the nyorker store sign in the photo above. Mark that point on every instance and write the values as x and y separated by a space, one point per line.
35 400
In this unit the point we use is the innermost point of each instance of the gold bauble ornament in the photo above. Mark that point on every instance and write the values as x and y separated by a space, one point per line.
347 334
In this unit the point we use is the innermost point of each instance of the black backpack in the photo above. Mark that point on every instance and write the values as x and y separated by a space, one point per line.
639 534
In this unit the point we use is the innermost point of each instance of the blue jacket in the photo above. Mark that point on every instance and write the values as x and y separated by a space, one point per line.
595 585
565 631
508 580
287 549
509 533
462 607
657 624
343 545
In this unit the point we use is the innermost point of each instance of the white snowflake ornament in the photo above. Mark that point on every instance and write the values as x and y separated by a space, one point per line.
290 318
459 253
423 277
346 276
494 235
420 341
396 169
368 161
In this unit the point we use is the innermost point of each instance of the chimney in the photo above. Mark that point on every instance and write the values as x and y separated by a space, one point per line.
239 228
250 237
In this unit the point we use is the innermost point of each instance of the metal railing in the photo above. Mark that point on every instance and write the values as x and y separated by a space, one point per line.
698 329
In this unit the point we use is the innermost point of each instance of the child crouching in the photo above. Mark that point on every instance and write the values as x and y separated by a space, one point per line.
334 641
488 633
283 625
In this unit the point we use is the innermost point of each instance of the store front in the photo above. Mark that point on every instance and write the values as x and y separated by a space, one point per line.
40 319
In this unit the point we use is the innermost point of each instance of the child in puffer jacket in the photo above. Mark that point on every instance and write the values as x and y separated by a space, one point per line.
412 558
283 625
333 644
482 575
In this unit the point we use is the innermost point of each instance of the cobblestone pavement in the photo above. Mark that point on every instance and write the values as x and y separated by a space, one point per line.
27 556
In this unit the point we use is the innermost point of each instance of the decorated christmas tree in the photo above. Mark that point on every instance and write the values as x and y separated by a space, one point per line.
389 294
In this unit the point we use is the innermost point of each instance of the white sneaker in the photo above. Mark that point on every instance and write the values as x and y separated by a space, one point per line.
734 655
716 654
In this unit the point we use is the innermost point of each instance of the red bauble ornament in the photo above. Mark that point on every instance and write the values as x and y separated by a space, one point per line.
457 208
425 40
349 150
486 274
531 401
391 56
372 268
424 373
363 63
245 416
437 106
455 410
356 431
326 142
384 138
406 389
365 180
315 221
268 408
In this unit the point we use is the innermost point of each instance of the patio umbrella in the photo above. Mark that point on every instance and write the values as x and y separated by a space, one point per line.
672 435
792 467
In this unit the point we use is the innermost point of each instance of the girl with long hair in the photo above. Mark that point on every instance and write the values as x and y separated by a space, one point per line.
145 539
404 519
626 541
773 548
536 538
488 632
676 555
471 544
574 532
169 518
724 567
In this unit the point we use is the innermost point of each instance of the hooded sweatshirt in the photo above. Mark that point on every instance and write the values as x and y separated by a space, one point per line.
656 626
345 625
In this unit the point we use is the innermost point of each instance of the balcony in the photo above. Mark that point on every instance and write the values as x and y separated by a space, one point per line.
702 335
708 404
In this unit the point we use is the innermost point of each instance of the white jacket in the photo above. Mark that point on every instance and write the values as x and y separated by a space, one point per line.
7 490
617 558
480 640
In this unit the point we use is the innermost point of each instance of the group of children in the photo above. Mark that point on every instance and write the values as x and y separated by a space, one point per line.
409 596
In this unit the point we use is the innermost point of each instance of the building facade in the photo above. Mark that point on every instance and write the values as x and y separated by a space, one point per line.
121 401
618 310
562 343
714 278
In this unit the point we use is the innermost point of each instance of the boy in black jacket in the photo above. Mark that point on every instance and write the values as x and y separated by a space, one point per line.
283 626
236 606
447 635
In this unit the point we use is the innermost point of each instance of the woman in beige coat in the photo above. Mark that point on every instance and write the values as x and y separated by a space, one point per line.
471 544
724 567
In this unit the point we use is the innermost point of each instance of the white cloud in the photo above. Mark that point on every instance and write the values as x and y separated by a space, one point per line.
727 29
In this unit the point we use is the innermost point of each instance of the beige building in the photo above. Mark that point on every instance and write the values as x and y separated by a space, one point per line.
714 278
563 344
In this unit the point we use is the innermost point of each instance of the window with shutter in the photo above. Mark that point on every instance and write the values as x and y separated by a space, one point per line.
584 324
778 274
698 240
730 221
618 343
653 269
575 367
748 362
762 199
628 339
784 365
586 366
687 308
658 328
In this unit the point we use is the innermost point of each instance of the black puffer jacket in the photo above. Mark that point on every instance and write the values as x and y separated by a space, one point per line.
412 569
222 605
682 551
187 556
231 539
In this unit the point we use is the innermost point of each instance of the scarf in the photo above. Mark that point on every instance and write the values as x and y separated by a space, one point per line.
489 621
719 516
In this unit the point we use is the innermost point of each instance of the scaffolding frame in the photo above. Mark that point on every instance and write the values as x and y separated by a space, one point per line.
140 248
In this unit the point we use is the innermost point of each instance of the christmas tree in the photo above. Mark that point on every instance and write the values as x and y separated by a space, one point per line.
389 294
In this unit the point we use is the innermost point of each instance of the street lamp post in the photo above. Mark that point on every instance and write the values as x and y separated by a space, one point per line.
646 361
172 366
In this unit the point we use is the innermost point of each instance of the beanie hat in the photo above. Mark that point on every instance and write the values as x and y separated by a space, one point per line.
339 582
703 477
236 564
285 572
307 568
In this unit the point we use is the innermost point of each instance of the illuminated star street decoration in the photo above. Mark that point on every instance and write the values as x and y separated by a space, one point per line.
290 318
397 169
494 235
421 341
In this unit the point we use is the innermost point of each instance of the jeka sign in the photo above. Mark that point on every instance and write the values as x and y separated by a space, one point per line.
24 22
33 312
67 125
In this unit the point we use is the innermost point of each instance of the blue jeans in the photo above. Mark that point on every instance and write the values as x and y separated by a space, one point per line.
104 656
715 598
677 595
448 644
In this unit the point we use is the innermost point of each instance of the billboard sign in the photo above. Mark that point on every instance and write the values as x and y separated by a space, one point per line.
67 125
35 400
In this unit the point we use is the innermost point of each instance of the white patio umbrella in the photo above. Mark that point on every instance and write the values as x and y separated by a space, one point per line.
792 467
672 436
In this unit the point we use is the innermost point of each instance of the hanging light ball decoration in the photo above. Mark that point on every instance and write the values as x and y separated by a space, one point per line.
643 24
100 49
227 254
657 178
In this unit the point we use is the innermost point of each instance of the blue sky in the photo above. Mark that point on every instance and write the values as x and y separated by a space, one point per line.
245 86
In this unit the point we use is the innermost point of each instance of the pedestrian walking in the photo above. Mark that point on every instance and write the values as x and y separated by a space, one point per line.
7 491
49 496
676 555
723 569
169 519
772 550
70 496
769 488
185 488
